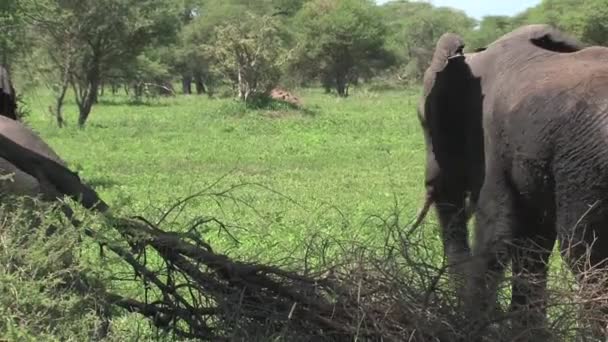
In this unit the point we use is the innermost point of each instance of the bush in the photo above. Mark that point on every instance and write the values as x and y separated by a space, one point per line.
45 295
338 290
249 53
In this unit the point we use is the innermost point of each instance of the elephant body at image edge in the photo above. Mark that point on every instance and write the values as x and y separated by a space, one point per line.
521 129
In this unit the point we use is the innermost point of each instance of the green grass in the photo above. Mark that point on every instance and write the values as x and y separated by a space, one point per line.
339 161
319 172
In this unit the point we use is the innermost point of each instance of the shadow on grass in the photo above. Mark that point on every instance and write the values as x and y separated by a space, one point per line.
101 182
277 108
133 102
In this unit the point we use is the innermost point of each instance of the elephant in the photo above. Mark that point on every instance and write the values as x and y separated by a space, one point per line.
518 130
36 170
8 104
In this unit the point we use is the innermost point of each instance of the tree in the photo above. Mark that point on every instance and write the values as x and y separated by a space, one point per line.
287 8
586 20
249 52
86 38
490 28
414 28
201 17
12 26
339 40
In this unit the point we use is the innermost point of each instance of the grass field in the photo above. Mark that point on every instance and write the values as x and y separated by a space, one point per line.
319 171
279 177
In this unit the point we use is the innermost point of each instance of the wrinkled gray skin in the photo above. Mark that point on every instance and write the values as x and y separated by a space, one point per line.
37 170
521 128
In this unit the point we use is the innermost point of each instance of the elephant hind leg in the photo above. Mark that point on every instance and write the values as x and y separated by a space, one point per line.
530 265
495 224
508 231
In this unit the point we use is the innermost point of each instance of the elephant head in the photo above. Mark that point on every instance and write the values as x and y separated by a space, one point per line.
8 104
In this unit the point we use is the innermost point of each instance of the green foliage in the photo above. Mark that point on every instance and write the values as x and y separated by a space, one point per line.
191 57
339 41
587 20
414 28
249 53
85 39
490 28
45 295
287 7
12 26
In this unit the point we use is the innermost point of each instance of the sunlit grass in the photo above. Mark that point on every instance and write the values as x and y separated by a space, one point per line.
337 160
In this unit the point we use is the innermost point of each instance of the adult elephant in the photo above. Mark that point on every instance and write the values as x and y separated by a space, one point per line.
8 104
520 129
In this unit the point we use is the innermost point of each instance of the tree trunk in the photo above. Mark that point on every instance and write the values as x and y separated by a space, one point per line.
86 94
241 85
59 103
341 85
186 84
200 85
326 82
87 103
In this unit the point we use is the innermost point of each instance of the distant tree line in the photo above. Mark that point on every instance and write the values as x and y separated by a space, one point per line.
88 47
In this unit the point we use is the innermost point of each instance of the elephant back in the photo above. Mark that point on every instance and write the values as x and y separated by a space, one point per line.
24 136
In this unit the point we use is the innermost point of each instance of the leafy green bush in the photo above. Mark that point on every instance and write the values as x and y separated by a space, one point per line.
43 293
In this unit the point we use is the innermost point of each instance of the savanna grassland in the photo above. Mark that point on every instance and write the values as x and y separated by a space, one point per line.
323 170
333 174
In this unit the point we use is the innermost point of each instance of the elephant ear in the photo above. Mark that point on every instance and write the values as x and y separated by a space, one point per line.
556 41
449 46
448 50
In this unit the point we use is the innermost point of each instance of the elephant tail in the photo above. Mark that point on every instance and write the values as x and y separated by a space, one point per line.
428 202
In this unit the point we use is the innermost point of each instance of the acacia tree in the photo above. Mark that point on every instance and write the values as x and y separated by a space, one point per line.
99 35
339 40
249 52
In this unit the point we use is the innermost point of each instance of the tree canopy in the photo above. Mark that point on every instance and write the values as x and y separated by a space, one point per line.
145 46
